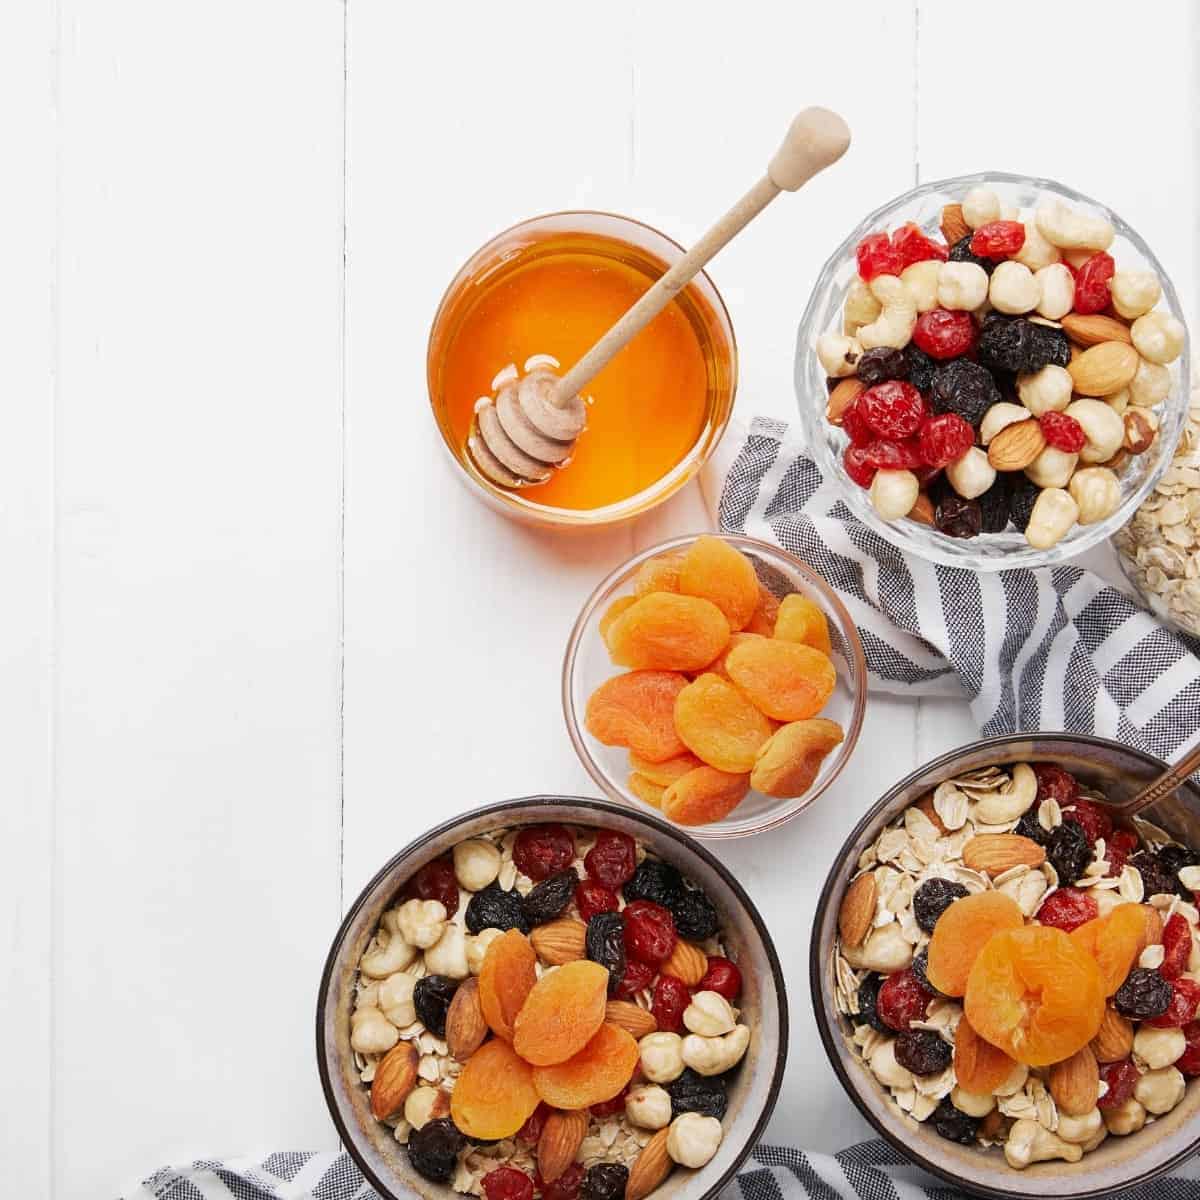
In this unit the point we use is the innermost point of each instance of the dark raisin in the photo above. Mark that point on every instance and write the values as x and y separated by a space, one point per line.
1016 344
868 1004
1175 858
920 367
702 1094
1069 852
605 944
922 1051
494 908
961 252
881 364
1022 496
1143 995
920 968
1157 874
932 899
963 387
1050 346
695 916
993 507
433 1149
547 900
655 880
431 999
604 1181
956 517
1030 827
953 1125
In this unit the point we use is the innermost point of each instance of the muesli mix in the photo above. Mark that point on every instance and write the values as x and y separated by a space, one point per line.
1019 972
550 1009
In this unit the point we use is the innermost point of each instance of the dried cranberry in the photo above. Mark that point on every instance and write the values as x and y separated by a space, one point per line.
1185 998
856 427
893 409
638 977
1067 909
1093 284
1189 1063
612 860
541 850
998 239
649 931
565 1187
722 977
944 334
1120 846
915 247
923 1052
887 455
436 881
1121 1078
857 467
1091 818
1144 994
1055 784
610 1108
1177 946
877 256
1062 432
945 439
531 1131
507 1183
671 997
592 898
902 1000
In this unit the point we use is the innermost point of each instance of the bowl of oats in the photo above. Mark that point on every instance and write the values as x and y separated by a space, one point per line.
552 995
1007 971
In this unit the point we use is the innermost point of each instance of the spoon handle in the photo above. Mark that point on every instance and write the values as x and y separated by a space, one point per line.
1164 785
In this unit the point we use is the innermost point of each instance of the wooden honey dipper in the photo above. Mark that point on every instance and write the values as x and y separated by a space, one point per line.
531 426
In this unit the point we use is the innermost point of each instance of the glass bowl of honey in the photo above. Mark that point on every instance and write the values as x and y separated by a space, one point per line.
541 293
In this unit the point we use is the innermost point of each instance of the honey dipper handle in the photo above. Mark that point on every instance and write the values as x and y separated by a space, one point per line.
815 139
1163 786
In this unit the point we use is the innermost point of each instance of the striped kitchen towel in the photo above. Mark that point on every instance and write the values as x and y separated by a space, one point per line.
1052 649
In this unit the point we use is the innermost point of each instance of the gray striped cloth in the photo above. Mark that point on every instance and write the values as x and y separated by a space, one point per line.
1052 649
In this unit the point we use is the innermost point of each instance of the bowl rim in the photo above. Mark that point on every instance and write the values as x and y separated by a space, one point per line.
816 969
941 552
829 598
586 805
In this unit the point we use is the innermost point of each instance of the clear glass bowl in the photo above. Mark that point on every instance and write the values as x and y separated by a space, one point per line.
587 665
826 442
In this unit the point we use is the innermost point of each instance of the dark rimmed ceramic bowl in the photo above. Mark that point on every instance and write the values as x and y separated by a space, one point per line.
1119 1162
752 1097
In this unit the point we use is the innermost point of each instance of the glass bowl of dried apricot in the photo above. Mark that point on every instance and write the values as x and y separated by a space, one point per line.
552 994
1007 973
716 679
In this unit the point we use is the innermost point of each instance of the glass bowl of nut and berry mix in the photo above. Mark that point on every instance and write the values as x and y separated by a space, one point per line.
1013 969
994 370
552 997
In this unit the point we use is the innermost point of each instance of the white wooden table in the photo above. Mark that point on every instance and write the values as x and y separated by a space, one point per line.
253 637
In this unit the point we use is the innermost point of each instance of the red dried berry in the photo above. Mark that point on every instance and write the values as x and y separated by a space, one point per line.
1120 846
532 1129
565 1187
541 850
507 1183
1177 946
998 239
856 427
1091 818
1185 998
671 997
945 439
877 256
638 977
884 454
1189 1063
1121 1078
944 334
914 247
1067 909
894 409
436 881
901 1001
1062 432
722 977
610 1108
592 898
649 931
1093 284
857 467
1055 784
612 860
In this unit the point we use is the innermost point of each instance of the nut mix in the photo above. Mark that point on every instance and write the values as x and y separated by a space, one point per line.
1010 352
1019 972
561 1017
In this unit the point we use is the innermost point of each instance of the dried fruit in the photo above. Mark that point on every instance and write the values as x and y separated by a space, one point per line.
436 881
669 770
979 1066
1120 1079
1185 997
880 364
1093 284
565 1187
1062 432
1189 1063
612 860
722 977
494 908
431 998
1120 846
595 1074
1114 941
1017 344
395 1077
506 977
610 1108
719 725
605 1181
1144 994
495 1094
668 632
945 438
592 898
893 409
634 1019
1022 496
901 455
923 1052
762 621
993 507
695 915
1053 783
713 570
704 795
507 1183
671 998
803 620
638 977
606 945
943 334
531 1131
612 612
541 850
953 1125
932 899
466 1026
703 1094
961 252
956 517
649 931
998 239
902 1000
920 367
877 256
658 574
920 968
637 710
561 1138
1157 877
961 933
646 790
1177 946
1067 909
1091 818
965 388
548 899
1069 852
561 1013
561 941
655 880
857 910
433 1149
858 469
786 680
868 1004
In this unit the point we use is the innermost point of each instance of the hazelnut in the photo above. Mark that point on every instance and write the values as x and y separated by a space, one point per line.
1141 428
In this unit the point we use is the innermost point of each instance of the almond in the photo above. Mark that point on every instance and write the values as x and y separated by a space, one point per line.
687 962
954 225
395 1077
1016 445
559 942
925 804
1075 1083
1104 369
650 1167
1154 926
562 1135
465 1024
1090 329
843 395
635 1020
995 853
857 911
1114 1039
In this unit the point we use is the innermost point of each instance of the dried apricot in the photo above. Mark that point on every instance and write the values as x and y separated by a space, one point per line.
979 1066
961 933
597 1073
802 620
495 1093
789 760
719 725
785 680
1114 941
637 710
646 789
665 632
658 574
717 666
663 773
561 1013
704 795
713 569
612 612
506 978
1034 993
762 620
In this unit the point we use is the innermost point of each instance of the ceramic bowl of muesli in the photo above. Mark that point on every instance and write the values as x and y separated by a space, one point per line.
1007 973
552 995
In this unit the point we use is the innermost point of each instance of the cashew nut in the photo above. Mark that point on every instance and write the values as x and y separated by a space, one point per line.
893 493
477 948
1052 468
693 1139
1080 1129
838 354
1047 390
661 1057
921 279
1028 1142
1158 337
961 285
1150 386
1069 229
971 475
1014 288
648 1107
1124 1118
1057 286
885 1068
448 955
979 206
897 318
396 999
974 1104
709 1015
1103 428
1135 293
1159 1091
861 307
1035 252
1010 802
714 1056
476 864
393 953
886 950
371 1032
